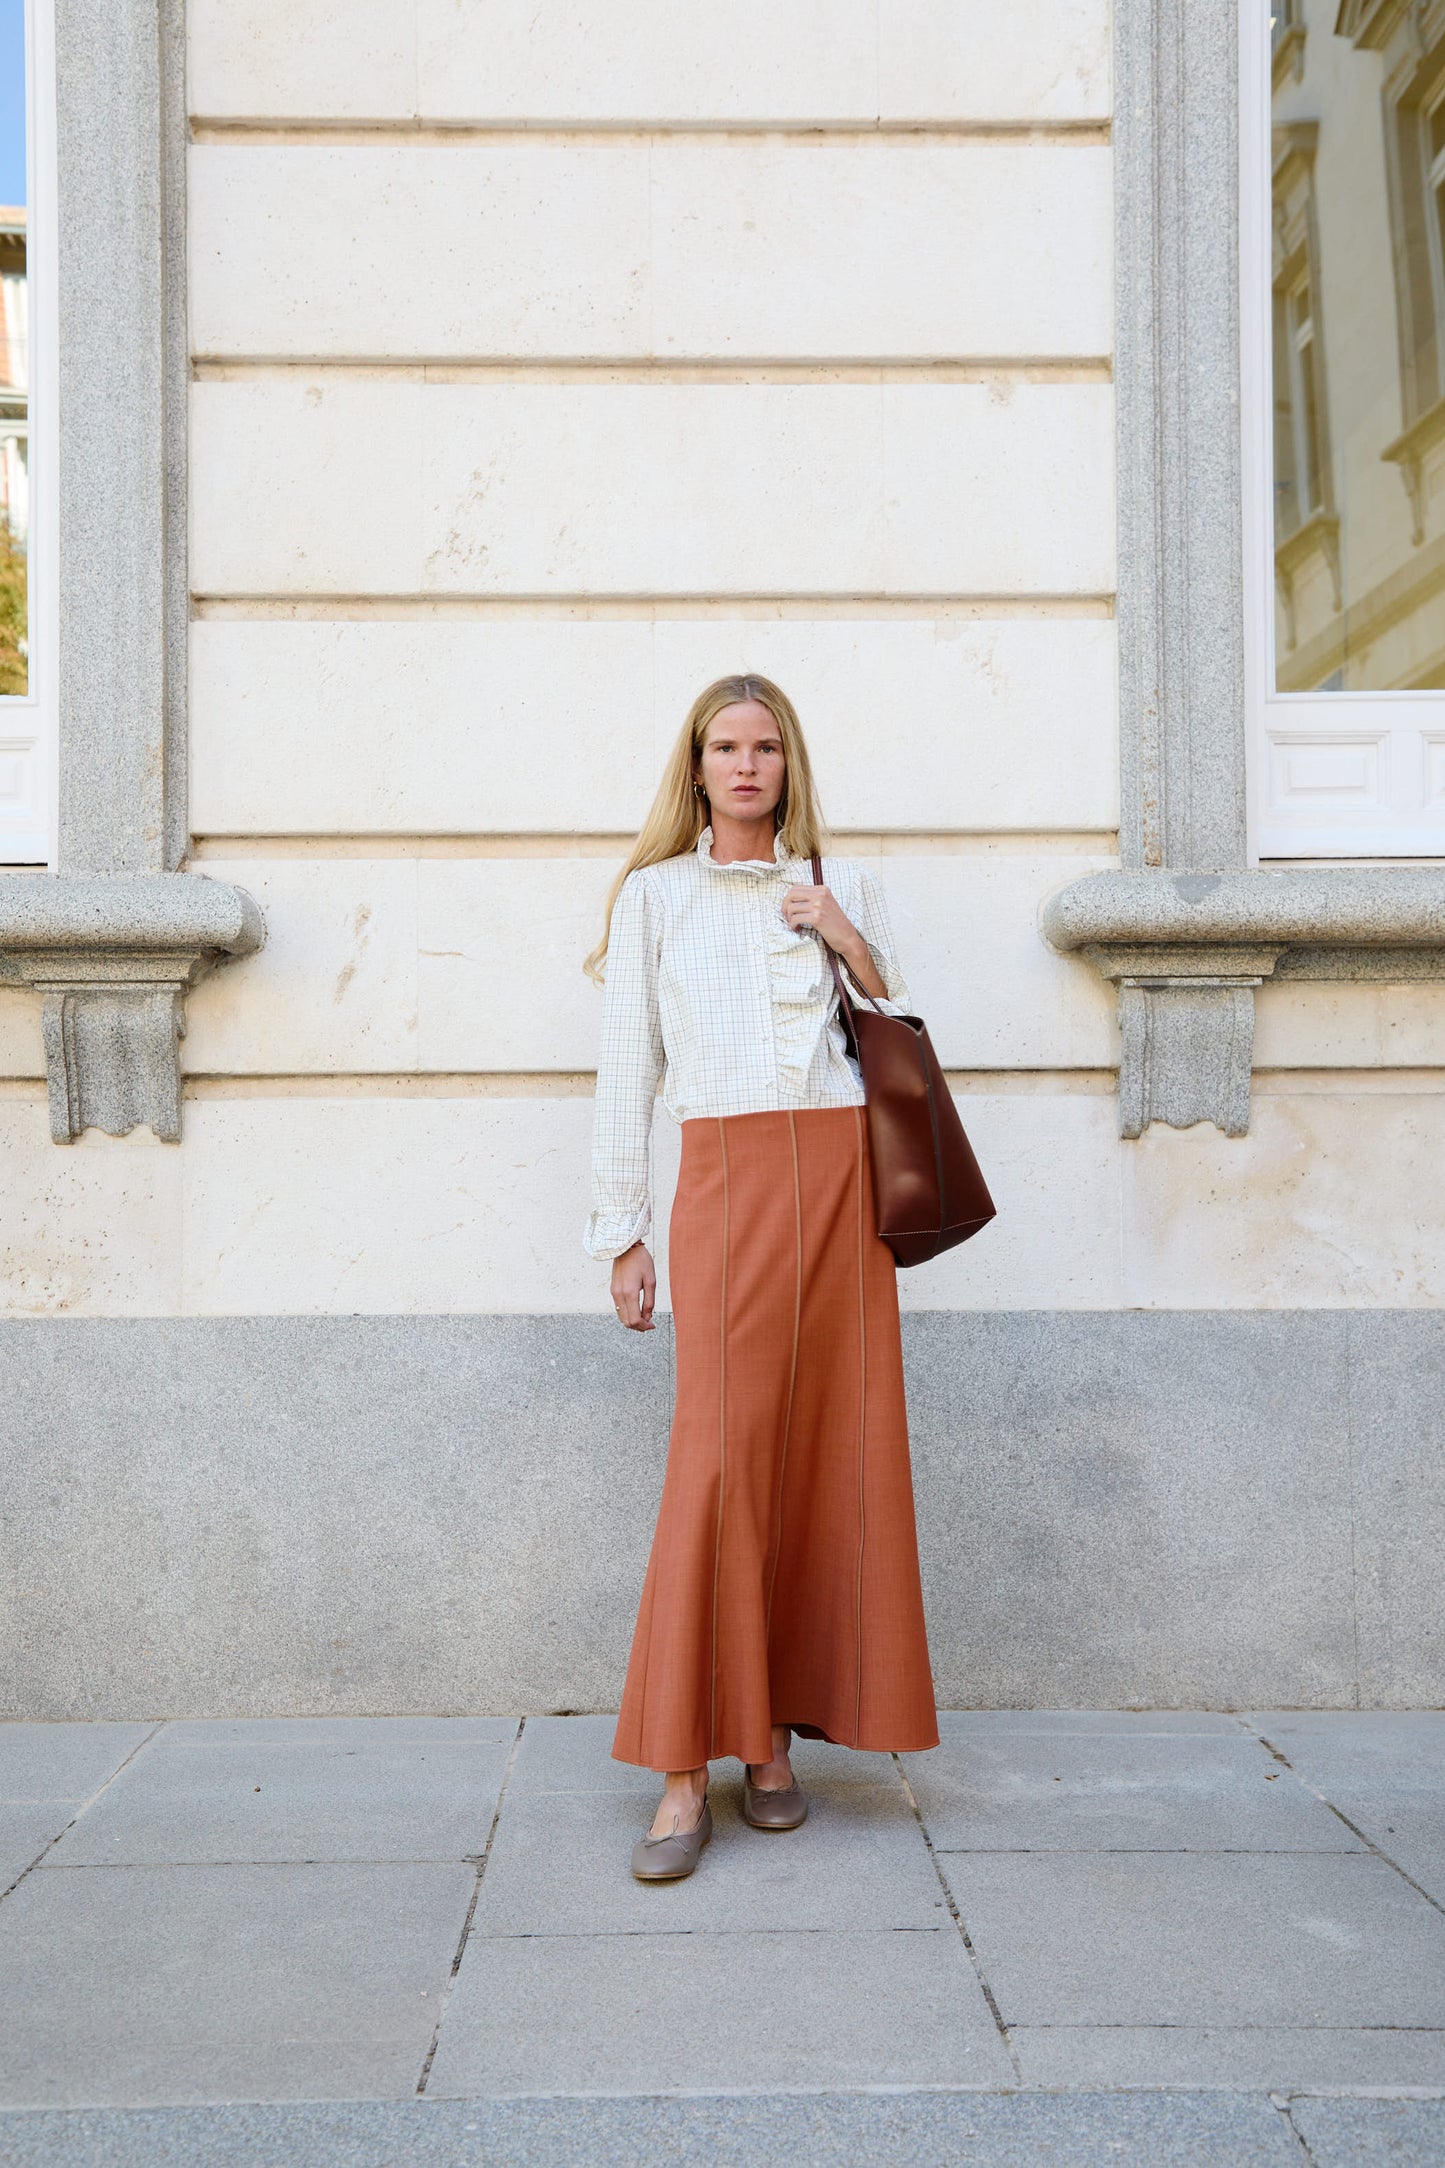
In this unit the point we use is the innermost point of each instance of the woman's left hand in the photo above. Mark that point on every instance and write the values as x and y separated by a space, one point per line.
810 909
806 907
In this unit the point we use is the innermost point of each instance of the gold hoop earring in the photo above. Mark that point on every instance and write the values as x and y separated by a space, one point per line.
697 790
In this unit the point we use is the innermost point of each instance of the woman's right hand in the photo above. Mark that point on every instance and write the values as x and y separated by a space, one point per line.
634 1288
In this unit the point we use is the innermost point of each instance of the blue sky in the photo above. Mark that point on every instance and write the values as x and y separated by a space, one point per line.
12 101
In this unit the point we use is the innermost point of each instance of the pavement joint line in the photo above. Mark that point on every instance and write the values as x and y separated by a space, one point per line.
1044 2024
957 1918
753 2092
1365 1838
470 1859
1363 2092
1282 2108
713 1934
167 1866
84 1807
482 1858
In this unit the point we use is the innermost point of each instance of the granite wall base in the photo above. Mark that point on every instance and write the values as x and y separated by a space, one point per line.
399 1514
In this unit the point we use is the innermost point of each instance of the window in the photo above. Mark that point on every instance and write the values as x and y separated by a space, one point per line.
1343 322
1287 40
1306 528
29 648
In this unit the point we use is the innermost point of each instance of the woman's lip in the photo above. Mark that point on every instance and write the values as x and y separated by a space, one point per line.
745 790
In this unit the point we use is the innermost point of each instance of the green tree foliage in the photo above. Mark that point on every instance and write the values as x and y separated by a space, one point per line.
14 616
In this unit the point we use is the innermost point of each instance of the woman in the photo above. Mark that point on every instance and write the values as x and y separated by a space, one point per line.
782 1593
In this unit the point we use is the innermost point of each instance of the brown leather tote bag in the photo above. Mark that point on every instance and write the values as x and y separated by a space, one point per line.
927 1188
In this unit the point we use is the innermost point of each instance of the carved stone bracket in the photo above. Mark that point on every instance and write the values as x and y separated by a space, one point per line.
1186 1018
1186 952
113 955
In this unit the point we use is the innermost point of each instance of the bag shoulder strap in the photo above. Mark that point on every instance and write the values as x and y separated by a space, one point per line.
845 999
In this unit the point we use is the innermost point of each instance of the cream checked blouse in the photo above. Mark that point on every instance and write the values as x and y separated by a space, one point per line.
707 982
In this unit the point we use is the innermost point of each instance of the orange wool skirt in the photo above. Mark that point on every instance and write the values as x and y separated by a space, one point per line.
783 1582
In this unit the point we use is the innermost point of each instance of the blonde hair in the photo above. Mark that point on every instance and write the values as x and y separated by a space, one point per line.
678 815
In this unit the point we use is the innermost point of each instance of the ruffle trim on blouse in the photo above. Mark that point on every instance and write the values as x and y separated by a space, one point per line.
799 980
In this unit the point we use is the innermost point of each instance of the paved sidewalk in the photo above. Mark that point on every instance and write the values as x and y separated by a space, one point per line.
1061 1937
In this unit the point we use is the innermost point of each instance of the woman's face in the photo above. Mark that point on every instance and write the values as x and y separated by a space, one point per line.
742 767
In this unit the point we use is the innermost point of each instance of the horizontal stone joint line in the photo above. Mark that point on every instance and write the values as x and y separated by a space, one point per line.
602 843
957 1918
414 131
483 1857
83 1808
302 606
1366 1840
693 369
919 604
538 1083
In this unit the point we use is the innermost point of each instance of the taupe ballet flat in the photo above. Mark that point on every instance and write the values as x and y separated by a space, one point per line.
669 1858
773 1810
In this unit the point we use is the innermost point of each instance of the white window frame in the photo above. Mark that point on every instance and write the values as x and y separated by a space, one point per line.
1361 750
29 722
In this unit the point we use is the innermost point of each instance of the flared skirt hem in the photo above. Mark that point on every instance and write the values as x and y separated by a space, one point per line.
862 1745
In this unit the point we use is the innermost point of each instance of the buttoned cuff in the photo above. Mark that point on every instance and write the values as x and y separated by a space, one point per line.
610 1233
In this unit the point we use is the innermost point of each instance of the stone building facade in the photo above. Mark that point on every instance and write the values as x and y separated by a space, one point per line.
487 378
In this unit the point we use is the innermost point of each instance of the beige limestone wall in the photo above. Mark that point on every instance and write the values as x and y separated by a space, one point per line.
616 63
459 1193
547 365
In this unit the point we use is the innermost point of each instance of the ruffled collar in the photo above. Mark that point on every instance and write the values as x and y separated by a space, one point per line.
778 860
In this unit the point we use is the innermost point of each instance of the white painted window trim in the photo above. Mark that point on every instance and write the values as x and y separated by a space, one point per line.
1394 729
29 722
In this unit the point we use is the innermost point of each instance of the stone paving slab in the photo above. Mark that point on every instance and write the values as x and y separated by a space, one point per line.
341 1795
63 1761
1201 1939
1408 1830
1369 1730
1275 2059
1384 1769
559 1865
154 1984
193 1940
253 1731
912 2130
25 1831
574 1754
1372 2133
673 2013
1022 1791
1087 1723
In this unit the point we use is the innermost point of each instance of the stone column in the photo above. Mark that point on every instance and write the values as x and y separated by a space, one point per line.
116 933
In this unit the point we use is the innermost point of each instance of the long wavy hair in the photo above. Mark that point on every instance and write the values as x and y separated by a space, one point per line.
679 815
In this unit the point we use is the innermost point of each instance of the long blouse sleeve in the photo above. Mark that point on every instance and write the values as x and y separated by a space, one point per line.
629 1065
871 919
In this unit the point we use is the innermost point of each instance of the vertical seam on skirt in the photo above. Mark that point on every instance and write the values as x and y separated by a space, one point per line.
792 1374
862 1422
722 1458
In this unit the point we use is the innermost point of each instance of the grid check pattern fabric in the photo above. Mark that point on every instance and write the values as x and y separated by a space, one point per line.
711 992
